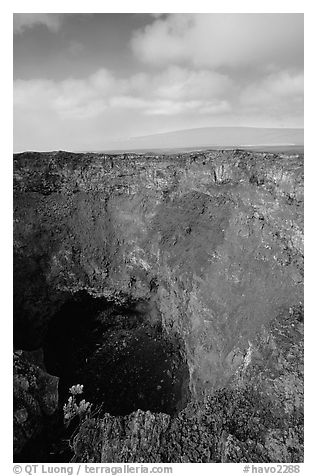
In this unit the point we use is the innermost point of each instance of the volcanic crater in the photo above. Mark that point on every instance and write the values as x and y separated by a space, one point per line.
171 288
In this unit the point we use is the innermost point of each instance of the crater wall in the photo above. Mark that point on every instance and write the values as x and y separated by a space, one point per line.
214 240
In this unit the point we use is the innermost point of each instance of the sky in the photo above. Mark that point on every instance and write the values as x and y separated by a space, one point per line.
89 81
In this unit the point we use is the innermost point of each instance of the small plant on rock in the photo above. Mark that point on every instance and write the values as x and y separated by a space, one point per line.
76 407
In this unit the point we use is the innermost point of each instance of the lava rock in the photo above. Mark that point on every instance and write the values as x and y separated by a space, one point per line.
35 396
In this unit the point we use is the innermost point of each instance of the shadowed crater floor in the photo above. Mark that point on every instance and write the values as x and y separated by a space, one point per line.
120 354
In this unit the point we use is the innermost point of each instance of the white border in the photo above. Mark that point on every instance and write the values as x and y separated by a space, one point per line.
160 6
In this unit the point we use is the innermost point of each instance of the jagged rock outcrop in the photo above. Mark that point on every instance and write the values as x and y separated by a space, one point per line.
215 239
35 395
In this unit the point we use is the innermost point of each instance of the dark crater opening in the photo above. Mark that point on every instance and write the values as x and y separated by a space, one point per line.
121 354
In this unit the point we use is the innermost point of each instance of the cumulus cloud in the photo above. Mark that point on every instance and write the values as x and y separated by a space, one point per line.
69 98
83 113
174 91
278 96
222 40
200 70
280 89
24 21
177 83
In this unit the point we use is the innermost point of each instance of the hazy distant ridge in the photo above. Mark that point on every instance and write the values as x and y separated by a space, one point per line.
216 136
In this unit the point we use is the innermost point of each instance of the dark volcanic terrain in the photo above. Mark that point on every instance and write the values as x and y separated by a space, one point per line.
171 287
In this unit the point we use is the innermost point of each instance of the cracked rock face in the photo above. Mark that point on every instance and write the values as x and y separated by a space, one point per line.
214 241
35 396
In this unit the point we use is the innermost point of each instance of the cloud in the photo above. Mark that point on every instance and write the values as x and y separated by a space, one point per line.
85 113
278 97
174 91
282 88
201 70
180 83
24 21
69 98
222 40
169 107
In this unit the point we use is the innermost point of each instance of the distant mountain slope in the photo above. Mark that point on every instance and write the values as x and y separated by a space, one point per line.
215 137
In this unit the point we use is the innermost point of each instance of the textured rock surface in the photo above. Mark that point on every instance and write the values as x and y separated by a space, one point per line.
257 418
214 238
35 396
